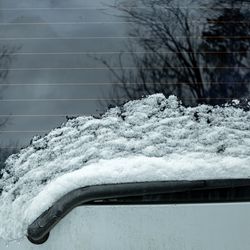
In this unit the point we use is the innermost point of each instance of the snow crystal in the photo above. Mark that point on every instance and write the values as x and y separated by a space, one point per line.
154 138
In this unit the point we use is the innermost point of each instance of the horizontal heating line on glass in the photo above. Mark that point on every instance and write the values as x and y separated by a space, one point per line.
116 68
119 37
114 83
42 115
111 22
124 52
24 131
100 99
122 8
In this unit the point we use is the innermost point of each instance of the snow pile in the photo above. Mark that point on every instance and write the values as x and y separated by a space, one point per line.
145 140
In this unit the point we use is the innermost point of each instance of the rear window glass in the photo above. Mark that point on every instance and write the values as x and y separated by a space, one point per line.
60 59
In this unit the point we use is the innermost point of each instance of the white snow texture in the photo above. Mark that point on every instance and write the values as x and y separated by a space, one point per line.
155 138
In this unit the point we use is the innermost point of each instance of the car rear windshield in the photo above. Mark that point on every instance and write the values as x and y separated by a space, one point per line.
60 59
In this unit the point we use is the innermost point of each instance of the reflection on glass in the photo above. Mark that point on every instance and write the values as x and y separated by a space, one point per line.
199 52
63 58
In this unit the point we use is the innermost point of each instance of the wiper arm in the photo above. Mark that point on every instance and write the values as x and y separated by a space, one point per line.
38 231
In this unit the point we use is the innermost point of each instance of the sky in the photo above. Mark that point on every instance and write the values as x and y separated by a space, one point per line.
54 41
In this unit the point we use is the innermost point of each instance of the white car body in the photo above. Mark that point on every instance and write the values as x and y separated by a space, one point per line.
217 226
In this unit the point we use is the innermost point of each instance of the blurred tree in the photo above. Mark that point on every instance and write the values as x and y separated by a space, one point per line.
186 53
5 153
228 51
6 58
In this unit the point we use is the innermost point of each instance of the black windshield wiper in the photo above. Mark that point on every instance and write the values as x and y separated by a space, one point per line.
38 231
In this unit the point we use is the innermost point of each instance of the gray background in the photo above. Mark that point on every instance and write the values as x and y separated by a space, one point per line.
60 37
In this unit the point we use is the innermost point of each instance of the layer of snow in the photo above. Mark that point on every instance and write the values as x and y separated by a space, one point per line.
145 140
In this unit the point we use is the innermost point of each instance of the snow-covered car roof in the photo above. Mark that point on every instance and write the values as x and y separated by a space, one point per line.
152 139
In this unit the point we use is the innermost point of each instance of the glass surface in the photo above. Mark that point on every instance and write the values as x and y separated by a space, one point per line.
63 58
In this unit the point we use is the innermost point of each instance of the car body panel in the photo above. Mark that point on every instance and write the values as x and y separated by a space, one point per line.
224 226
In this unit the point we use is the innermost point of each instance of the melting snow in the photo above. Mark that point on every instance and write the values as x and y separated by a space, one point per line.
155 138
